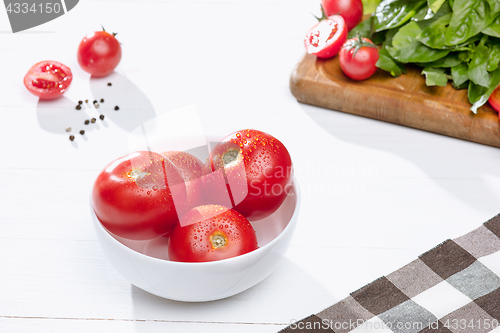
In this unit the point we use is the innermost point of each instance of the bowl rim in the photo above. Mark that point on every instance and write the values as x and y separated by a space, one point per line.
255 252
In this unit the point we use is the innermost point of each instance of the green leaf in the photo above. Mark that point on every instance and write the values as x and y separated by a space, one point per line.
470 17
369 6
435 4
364 28
435 76
387 63
494 28
451 60
459 75
393 13
424 13
478 72
479 95
434 35
494 59
406 48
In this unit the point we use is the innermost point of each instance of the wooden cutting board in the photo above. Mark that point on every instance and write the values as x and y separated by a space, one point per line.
405 100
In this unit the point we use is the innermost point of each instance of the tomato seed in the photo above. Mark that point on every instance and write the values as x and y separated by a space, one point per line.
86 101
71 137
68 129
117 108
78 107
82 132
87 122
92 120
101 117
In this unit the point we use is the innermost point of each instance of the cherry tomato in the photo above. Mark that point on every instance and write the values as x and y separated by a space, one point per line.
99 53
325 39
358 58
350 10
214 232
494 100
251 168
139 196
48 79
189 167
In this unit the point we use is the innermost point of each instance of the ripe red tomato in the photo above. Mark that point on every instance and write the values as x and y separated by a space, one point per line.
99 53
494 100
189 167
350 10
213 233
139 196
48 79
325 39
358 58
251 168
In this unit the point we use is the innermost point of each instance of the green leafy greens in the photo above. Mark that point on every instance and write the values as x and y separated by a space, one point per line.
451 40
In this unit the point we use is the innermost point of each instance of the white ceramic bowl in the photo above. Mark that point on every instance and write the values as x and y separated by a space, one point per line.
145 263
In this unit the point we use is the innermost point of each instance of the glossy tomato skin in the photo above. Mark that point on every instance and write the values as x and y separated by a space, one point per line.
350 10
212 232
494 100
189 167
325 39
139 196
99 53
257 170
361 65
48 79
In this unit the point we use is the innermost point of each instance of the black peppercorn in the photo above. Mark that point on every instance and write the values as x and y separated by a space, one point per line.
95 101
71 137
87 122
117 108
82 132
80 102
101 117
102 100
92 120
68 129
86 101
78 107
109 84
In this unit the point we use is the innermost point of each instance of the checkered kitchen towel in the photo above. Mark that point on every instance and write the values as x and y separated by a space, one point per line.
454 287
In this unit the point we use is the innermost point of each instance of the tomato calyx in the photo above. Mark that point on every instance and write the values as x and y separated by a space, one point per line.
357 43
323 14
113 33
218 240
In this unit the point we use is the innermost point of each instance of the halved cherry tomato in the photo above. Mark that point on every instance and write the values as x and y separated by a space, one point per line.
139 196
494 100
350 10
213 232
99 53
249 170
358 57
48 79
325 39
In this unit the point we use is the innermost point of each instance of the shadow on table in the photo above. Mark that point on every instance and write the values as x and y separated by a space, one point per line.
438 161
289 293
58 115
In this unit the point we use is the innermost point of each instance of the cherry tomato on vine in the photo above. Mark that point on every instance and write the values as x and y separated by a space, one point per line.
250 168
358 57
99 53
212 232
350 10
139 196
325 39
494 100
48 79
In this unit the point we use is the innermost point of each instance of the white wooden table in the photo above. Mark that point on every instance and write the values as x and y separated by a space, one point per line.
375 195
